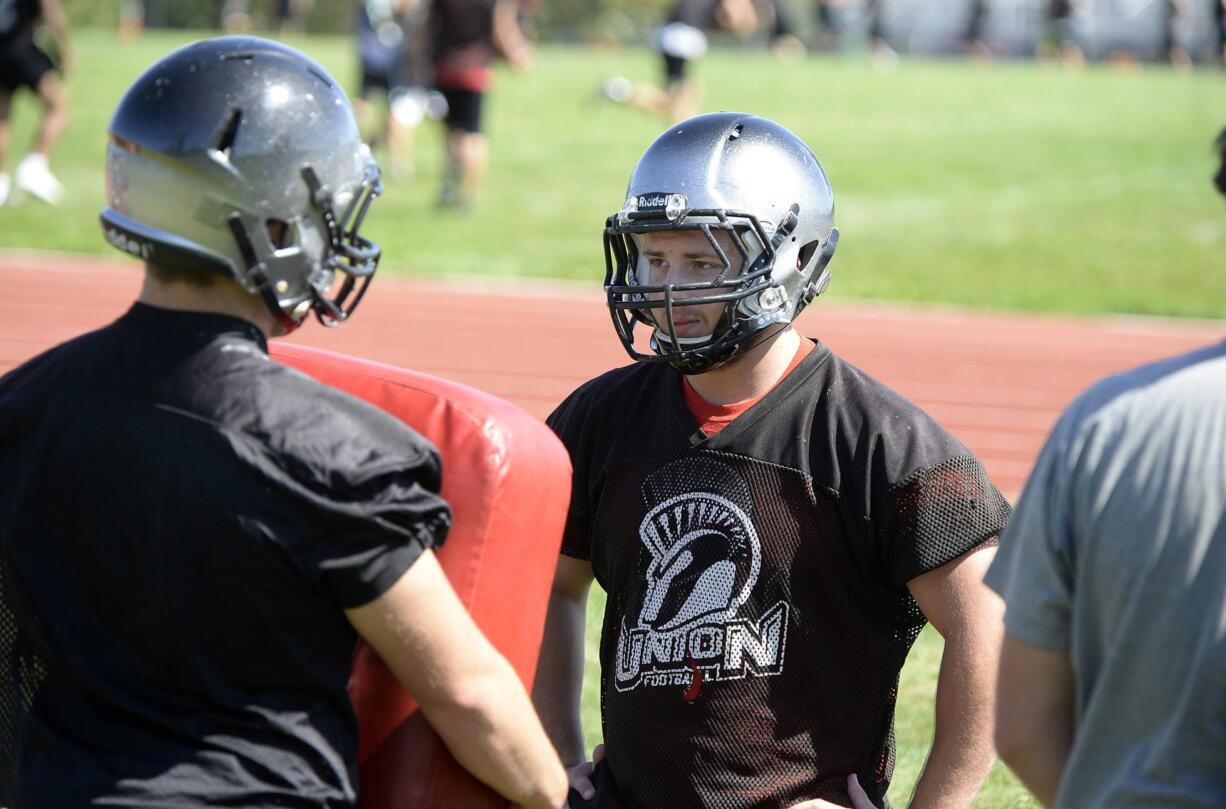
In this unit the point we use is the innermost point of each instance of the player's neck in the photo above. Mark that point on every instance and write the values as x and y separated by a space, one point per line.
751 374
223 297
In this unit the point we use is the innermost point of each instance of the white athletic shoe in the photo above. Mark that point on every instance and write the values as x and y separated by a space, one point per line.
6 185
34 176
617 89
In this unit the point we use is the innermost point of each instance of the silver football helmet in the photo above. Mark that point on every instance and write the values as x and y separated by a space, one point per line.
241 156
737 173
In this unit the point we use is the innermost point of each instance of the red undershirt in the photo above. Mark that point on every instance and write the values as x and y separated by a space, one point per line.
712 418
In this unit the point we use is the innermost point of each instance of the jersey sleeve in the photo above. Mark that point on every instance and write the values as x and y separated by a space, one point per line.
1034 568
366 535
937 513
364 489
568 421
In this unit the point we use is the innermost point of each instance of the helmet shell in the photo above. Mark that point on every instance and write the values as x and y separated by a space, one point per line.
743 173
220 132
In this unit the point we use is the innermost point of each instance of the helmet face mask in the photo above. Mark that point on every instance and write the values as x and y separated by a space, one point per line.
633 298
738 175
240 156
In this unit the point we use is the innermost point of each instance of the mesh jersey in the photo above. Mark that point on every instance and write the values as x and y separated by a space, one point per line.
758 614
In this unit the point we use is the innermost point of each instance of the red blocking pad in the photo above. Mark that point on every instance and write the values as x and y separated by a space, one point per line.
507 479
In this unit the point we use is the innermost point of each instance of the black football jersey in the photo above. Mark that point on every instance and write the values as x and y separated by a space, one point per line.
758 613
182 524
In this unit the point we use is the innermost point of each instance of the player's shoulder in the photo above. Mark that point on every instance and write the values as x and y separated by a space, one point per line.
55 365
866 435
1141 400
333 427
291 426
609 393
864 403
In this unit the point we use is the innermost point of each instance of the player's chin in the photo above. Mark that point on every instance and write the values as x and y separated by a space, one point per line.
686 328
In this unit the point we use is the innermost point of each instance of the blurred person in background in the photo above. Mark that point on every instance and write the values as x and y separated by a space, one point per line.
1176 17
1059 39
131 23
392 98
973 42
192 536
780 23
881 54
24 64
1112 675
235 16
829 25
1218 26
681 41
291 16
465 37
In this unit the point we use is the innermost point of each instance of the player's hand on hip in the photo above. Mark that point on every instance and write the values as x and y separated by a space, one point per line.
859 798
581 775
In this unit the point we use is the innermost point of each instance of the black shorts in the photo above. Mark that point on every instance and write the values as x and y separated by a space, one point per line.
377 80
22 62
674 68
463 109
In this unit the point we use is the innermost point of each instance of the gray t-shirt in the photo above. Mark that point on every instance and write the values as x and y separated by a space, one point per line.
1116 555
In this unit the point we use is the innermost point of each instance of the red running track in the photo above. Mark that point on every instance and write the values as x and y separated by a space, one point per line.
997 381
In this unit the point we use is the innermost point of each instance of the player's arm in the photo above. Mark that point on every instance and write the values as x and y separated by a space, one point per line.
969 617
559 670
559 673
468 692
1035 715
737 16
57 21
509 38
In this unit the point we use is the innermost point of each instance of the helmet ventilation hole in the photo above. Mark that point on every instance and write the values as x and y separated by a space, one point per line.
279 233
223 141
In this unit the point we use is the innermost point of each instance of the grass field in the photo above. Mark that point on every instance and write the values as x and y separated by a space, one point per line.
1011 186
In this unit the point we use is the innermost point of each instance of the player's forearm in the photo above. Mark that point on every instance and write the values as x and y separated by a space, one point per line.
1038 761
1035 715
962 750
559 676
508 38
489 725
57 21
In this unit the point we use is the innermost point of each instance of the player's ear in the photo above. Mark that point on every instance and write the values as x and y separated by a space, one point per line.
278 233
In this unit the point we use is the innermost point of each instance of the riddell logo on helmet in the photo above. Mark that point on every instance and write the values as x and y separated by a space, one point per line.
652 201
133 247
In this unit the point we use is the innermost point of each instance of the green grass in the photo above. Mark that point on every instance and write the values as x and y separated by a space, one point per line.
1010 186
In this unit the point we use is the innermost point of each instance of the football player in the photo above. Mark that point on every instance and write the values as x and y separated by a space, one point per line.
773 527
195 536
681 41
24 63
465 37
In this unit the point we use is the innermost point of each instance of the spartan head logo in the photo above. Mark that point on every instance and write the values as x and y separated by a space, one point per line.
705 554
